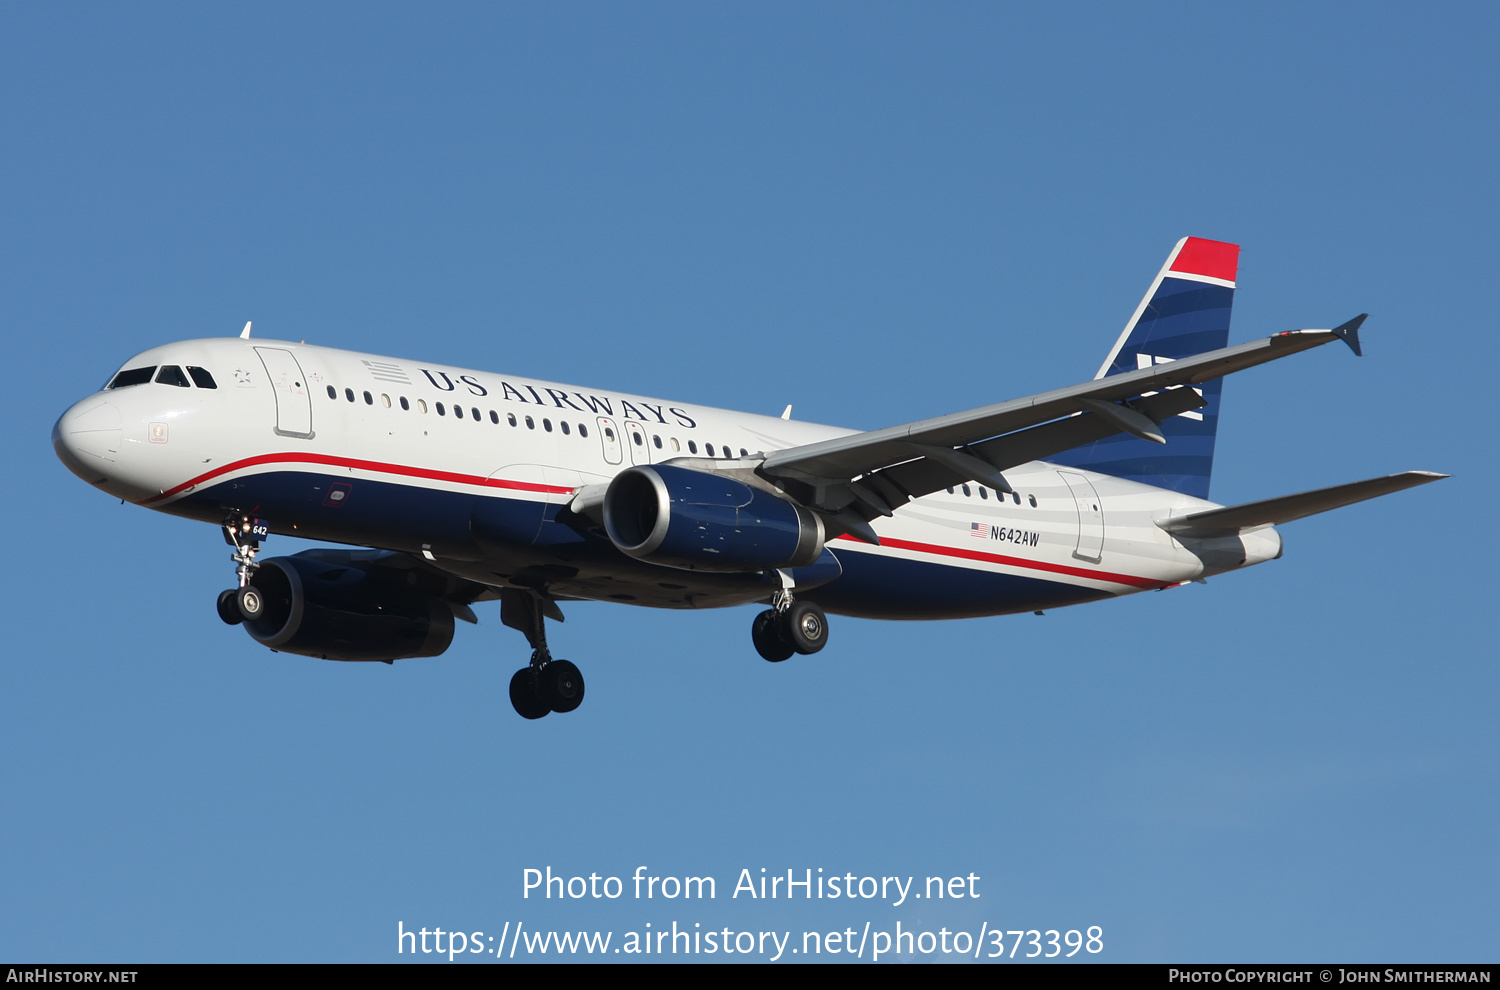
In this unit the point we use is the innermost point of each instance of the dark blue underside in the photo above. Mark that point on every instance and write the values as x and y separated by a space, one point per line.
408 517
1184 318
880 587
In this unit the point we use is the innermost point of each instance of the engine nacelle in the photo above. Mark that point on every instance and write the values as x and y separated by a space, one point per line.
340 612
698 521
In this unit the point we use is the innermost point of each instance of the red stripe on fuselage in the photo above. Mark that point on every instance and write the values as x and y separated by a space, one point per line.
404 470
1036 565
330 460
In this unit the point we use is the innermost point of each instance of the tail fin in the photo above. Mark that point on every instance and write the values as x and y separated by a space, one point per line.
1185 312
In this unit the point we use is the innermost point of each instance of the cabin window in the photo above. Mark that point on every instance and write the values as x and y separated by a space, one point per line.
1032 500
201 377
333 393
405 405
983 493
510 418
692 446
583 431
547 425
369 399
640 440
170 374
385 400
135 376
709 449
657 441
564 426
349 394
421 405
529 424
675 444
966 491
439 407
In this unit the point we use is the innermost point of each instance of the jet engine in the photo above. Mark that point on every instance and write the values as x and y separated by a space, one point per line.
698 521
335 611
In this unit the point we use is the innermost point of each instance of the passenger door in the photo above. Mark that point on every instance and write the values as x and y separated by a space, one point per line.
293 401
1090 517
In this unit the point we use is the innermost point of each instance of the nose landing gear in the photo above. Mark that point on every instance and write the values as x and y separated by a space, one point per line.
244 602
229 610
546 685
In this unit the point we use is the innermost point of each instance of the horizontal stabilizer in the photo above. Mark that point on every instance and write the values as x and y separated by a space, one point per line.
1213 522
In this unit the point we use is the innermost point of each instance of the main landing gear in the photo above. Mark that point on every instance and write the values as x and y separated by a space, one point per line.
546 685
244 603
789 627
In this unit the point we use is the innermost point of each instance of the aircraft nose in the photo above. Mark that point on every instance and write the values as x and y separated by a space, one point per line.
87 437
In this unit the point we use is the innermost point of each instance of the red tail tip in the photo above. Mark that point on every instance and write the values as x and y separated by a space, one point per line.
1212 259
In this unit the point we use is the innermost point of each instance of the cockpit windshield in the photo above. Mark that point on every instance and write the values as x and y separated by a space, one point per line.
132 376
170 374
167 374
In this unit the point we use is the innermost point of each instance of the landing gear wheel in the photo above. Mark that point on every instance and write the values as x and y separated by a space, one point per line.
560 686
765 633
523 694
229 611
805 627
250 602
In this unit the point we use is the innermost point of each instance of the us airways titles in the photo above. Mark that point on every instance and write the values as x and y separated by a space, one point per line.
599 406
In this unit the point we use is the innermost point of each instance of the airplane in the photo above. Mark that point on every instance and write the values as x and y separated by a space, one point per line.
460 486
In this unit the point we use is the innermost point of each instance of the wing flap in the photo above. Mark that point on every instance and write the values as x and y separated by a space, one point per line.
932 473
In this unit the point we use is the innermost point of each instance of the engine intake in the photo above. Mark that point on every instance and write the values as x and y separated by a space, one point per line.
332 611
694 520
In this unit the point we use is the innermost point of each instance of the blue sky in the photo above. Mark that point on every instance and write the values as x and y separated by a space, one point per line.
877 213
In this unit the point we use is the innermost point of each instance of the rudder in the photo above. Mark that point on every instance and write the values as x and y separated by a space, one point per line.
1185 312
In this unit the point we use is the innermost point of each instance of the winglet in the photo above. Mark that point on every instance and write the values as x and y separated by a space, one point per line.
245 333
1349 333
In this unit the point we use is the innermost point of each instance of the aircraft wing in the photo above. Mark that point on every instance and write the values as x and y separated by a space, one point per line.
412 571
855 478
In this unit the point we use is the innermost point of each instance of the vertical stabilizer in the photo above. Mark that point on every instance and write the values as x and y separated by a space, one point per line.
1185 312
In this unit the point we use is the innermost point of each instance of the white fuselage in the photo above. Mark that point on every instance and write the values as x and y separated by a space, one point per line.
469 470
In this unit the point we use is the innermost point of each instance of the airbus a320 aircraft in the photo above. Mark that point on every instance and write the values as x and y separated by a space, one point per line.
467 486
